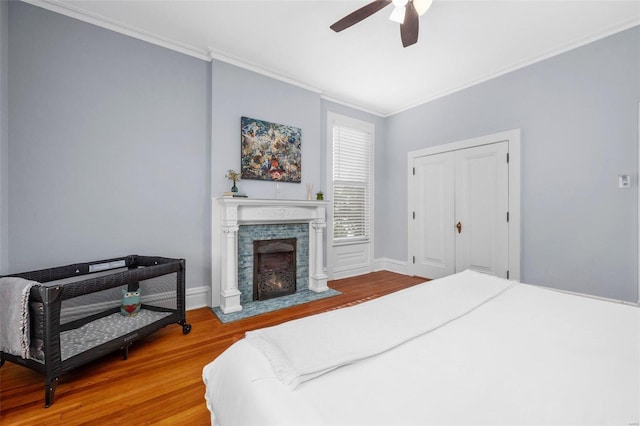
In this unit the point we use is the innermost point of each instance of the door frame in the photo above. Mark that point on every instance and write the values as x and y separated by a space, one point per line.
513 139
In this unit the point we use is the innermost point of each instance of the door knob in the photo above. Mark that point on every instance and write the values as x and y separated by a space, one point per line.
459 227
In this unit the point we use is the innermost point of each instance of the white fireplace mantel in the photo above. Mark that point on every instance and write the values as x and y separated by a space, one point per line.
229 213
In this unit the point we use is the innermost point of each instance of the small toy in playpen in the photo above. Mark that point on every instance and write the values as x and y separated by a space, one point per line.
130 303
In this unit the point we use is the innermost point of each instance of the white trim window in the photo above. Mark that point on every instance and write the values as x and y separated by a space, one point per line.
350 175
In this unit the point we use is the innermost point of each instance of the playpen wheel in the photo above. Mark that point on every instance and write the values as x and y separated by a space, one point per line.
186 328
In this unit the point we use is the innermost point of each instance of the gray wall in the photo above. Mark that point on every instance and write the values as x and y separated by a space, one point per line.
117 145
238 92
108 146
4 135
578 113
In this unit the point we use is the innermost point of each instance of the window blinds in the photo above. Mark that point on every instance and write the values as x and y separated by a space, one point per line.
351 183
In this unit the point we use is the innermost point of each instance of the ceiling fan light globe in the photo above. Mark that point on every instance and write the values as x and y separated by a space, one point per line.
398 14
422 6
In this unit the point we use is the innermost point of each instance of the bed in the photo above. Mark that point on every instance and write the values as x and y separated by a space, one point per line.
464 349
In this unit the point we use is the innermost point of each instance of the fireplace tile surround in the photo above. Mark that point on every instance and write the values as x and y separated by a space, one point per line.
233 222
249 233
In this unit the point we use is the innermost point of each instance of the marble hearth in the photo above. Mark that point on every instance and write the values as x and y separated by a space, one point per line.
228 214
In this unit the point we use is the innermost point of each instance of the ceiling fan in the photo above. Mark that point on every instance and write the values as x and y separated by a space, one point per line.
405 12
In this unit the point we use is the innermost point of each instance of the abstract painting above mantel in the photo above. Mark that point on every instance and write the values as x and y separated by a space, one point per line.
270 151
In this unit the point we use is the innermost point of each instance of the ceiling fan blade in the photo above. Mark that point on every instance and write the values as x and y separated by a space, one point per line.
409 29
359 15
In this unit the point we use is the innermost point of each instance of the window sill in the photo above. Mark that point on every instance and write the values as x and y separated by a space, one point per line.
350 242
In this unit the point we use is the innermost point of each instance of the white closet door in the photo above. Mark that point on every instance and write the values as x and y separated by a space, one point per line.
460 201
434 210
481 206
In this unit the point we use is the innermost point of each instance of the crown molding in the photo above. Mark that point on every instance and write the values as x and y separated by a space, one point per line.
119 27
214 54
625 25
209 54
131 31
353 106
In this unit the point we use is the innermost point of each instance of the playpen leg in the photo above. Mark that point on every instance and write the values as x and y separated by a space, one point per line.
186 327
49 391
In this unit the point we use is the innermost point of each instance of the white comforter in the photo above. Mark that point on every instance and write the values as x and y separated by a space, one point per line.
507 354
306 348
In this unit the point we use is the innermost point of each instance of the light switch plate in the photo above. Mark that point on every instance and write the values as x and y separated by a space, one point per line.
624 181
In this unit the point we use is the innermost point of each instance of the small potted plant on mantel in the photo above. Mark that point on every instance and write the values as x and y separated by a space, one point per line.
319 195
233 176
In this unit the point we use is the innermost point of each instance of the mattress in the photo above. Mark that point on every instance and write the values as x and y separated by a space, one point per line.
519 355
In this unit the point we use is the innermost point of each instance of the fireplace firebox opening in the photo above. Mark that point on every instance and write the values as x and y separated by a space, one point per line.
274 268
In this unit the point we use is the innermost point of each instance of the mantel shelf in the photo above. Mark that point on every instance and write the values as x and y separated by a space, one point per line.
271 202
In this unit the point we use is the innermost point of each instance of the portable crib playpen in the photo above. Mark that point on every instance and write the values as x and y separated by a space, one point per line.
74 311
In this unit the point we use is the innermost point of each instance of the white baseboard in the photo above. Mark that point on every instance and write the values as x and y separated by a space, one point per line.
350 272
590 296
382 264
197 297
392 265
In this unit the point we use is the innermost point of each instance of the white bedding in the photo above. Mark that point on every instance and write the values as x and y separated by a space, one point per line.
303 349
527 355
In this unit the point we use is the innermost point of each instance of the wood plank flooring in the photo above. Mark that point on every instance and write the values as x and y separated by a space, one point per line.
161 381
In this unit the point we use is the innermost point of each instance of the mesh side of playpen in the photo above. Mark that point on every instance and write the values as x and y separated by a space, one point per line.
158 292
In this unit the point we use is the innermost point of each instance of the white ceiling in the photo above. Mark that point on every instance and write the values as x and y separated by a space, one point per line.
461 42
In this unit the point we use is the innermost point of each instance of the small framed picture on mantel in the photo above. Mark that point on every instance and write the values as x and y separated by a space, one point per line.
230 194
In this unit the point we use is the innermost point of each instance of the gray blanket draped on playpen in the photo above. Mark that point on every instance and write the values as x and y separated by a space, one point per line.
14 316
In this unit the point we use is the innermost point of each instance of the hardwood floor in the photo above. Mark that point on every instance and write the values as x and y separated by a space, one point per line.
161 381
